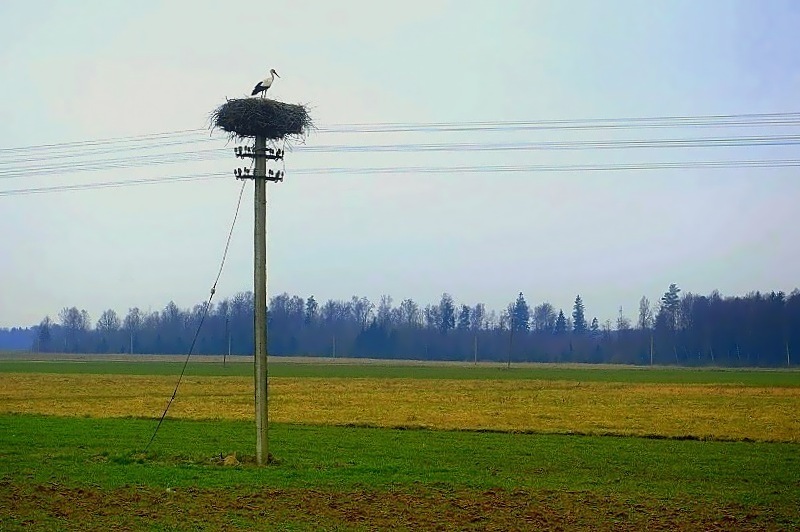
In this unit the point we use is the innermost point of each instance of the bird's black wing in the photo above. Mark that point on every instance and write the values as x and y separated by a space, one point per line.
258 88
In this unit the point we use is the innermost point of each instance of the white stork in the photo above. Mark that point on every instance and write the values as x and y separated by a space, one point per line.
264 84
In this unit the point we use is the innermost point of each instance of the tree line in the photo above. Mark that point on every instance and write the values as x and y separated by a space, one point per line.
758 329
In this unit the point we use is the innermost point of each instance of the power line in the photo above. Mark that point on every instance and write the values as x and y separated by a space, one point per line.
779 163
577 125
113 163
701 142
149 137
12 158
132 152
111 184
411 170
720 120
62 168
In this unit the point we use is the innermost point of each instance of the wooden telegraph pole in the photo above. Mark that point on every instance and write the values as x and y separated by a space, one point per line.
260 154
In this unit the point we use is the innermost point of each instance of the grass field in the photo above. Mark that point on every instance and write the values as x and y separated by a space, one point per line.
700 411
85 468
688 481
388 370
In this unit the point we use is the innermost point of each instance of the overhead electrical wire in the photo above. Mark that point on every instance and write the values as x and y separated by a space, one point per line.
169 147
111 184
104 150
158 141
113 163
706 121
586 125
412 170
11 170
777 163
699 142
149 137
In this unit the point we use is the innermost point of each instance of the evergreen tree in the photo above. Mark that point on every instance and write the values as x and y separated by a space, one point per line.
312 309
594 329
477 317
578 316
44 334
447 313
520 314
464 318
670 303
561 324
433 317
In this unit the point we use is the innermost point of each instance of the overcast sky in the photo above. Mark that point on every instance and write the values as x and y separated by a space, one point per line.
76 71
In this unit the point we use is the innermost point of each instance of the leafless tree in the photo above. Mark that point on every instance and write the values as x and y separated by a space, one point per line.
645 314
108 321
75 322
411 316
623 323
478 317
384 314
544 318
132 324
362 310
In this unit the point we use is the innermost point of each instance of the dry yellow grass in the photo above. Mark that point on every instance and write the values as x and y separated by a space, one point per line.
669 410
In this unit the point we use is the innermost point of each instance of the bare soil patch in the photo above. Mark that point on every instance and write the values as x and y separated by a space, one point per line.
55 505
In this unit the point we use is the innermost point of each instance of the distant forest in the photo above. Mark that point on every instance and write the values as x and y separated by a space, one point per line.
688 330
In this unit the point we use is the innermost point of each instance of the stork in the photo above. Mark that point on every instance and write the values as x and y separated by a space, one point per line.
264 84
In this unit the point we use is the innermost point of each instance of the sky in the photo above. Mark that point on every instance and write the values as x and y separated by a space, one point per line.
92 70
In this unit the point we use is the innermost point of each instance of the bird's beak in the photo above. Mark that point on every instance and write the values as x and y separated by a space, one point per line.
276 73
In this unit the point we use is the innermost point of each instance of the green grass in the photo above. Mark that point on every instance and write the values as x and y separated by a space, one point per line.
65 473
278 368
106 453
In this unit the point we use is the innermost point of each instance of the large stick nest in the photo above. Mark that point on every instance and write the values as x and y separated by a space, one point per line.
253 117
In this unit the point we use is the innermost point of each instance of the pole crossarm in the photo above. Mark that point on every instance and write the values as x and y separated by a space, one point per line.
258 154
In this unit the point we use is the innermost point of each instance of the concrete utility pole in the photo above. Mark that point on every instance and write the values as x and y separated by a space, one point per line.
260 154
510 344
260 289
261 119
228 338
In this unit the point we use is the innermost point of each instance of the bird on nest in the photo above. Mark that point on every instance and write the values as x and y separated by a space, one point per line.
264 84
